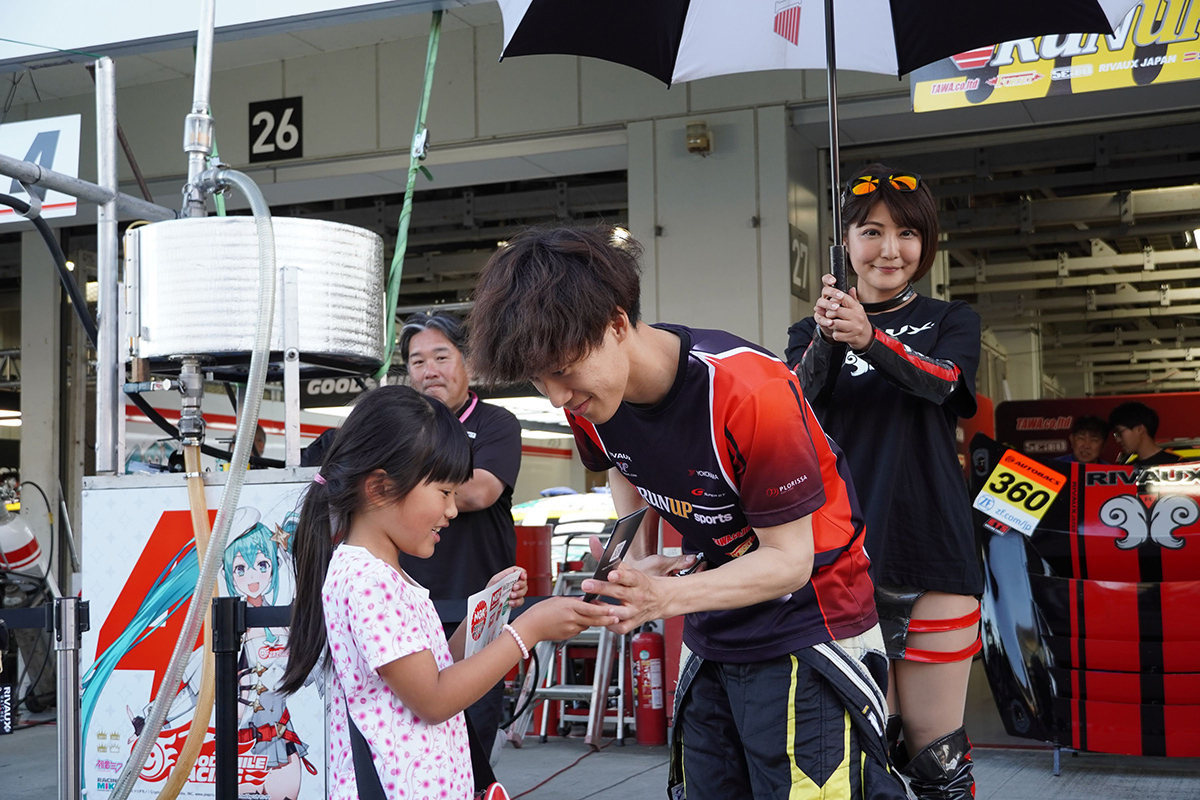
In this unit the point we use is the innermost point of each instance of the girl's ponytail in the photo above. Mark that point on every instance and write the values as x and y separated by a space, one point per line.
393 429
313 550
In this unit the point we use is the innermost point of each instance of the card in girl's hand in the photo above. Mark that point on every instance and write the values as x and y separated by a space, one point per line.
487 612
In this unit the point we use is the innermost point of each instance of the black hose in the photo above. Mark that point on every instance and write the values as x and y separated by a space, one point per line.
158 419
537 671
89 326
50 514
60 262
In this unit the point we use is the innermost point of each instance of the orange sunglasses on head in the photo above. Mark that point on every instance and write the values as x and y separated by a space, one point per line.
901 182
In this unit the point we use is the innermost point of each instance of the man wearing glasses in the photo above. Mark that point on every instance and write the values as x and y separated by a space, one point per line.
1134 425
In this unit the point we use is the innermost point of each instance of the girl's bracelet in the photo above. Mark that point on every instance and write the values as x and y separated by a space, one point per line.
520 641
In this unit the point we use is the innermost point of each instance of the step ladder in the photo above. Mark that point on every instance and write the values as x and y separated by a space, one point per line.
541 685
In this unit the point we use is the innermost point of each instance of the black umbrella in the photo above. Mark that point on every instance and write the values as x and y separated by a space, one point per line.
681 40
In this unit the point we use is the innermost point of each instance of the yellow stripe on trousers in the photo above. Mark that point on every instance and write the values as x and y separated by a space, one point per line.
804 787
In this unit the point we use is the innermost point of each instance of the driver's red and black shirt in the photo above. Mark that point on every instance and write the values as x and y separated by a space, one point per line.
733 447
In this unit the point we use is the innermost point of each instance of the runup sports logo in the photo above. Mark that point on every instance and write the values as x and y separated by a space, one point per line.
1145 518
787 19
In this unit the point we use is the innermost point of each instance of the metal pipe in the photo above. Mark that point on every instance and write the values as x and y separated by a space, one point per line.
191 420
198 125
125 148
66 646
107 356
1064 236
37 175
291 365
837 259
66 519
204 57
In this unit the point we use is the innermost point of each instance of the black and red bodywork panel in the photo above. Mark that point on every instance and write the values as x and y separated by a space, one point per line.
1091 625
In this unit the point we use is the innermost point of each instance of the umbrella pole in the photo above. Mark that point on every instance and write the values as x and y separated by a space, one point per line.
837 253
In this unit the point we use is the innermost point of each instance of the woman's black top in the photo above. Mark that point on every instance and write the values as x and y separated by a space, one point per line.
894 410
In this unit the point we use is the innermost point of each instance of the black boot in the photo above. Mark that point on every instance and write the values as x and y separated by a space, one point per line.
942 771
894 733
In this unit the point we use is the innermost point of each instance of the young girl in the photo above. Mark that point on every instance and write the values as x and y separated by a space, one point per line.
386 487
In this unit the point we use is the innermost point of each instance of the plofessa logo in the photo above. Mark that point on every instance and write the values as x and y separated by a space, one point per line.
775 491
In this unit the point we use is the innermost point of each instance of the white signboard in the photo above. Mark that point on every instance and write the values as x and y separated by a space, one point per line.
140 572
52 143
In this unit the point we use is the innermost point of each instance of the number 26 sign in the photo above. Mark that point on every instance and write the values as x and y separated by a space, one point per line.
276 130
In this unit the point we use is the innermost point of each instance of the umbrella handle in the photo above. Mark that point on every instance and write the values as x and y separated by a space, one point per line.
837 266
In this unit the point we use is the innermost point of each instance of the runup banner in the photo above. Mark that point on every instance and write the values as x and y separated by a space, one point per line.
1157 42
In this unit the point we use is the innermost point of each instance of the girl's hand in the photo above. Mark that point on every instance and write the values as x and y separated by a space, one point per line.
559 618
840 316
516 597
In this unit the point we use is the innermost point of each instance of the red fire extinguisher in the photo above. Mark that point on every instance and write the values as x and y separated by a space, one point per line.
650 713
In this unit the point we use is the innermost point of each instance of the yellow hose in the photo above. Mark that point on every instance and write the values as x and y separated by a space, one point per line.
204 700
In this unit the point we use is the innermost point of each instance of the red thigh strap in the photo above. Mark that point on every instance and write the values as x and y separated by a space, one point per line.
938 657
943 625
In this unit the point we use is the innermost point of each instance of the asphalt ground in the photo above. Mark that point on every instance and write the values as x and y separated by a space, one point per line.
569 769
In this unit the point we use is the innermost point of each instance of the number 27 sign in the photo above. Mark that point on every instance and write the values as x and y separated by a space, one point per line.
1019 492
276 129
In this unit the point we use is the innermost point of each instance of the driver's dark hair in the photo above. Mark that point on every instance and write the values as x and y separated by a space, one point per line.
546 299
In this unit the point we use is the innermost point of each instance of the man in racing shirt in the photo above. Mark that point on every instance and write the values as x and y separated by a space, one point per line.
713 433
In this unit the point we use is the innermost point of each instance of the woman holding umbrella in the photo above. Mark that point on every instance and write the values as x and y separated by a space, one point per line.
888 373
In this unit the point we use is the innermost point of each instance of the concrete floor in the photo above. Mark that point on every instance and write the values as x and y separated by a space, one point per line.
567 769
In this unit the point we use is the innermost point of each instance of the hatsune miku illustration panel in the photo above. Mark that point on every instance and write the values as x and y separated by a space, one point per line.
281 740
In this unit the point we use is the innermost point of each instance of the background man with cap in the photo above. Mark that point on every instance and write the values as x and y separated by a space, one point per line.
481 540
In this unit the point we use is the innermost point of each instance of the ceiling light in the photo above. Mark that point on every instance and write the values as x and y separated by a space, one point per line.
70 266
12 422
6 413
1196 238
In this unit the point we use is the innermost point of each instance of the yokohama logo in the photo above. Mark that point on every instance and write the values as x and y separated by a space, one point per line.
787 19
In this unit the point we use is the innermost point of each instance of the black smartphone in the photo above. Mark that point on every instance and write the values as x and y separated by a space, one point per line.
623 533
